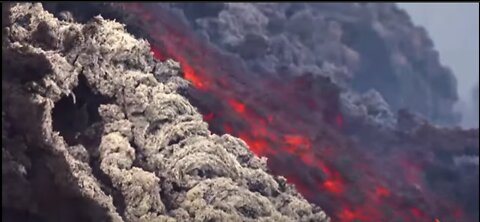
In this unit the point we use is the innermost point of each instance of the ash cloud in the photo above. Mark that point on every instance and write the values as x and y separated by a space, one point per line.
349 148
475 96
456 38
468 107
473 117
382 62
361 47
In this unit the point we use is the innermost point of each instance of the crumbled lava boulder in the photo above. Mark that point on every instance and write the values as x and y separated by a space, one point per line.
94 129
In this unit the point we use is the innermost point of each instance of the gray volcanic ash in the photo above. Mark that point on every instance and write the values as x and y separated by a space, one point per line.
351 154
313 87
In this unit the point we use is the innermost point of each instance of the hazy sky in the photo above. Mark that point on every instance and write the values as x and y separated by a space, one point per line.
454 30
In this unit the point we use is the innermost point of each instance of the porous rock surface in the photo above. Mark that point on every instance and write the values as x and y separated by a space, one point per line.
94 129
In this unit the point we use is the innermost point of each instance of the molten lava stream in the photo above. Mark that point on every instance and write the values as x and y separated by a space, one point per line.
295 125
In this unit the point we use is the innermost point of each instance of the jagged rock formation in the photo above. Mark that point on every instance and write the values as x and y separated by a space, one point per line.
94 129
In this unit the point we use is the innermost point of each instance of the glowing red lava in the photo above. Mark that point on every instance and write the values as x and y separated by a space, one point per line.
296 127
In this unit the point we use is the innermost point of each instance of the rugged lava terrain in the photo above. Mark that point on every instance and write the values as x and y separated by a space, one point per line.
96 128
93 129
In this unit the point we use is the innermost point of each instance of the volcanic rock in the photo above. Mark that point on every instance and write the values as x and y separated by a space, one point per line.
94 129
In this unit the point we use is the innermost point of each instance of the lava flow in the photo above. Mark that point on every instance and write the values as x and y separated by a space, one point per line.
296 123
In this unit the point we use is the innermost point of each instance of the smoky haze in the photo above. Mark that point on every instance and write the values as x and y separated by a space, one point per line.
455 33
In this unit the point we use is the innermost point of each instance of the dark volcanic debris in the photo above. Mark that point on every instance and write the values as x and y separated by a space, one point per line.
93 129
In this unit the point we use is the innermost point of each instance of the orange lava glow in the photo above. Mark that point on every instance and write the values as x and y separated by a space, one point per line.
382 191
236 105
208 116
333 186
288 123
196 80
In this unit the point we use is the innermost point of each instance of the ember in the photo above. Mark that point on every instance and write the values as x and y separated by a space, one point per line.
300 131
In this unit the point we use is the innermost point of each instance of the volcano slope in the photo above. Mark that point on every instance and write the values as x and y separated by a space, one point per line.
345 151
93 129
